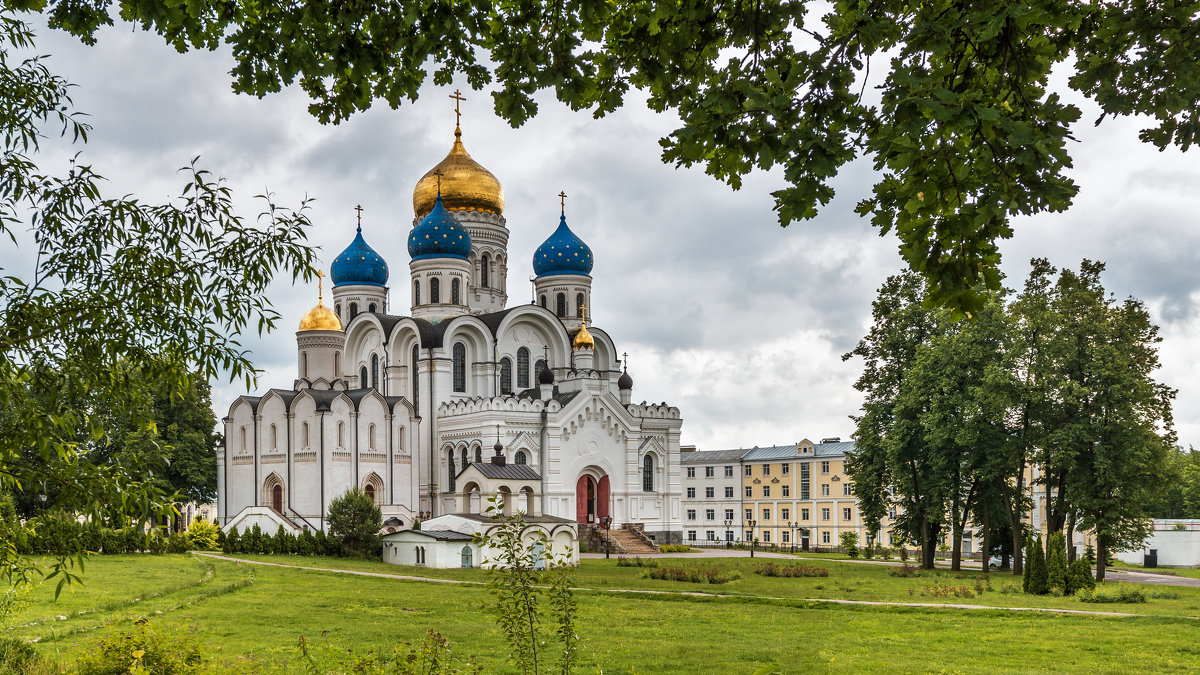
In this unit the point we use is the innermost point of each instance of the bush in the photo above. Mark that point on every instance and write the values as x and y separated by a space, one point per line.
1038 584
135 540
1089 554
1079 577
1056 563
232 545
354 521
178 542
306 543
676 548
774 570
204 536
156 542
432 657
694 575
637 561
905 570
903 551
18 656
849 543
1122 595
140 648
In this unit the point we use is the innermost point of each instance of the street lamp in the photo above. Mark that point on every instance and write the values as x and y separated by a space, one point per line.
728 524
753 539
793 527
607 522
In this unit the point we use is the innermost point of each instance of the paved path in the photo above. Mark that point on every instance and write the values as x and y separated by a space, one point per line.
1127 576
835 601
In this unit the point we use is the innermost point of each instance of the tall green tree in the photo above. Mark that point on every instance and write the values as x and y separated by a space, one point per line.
114 282
1181 496
965 131
354 520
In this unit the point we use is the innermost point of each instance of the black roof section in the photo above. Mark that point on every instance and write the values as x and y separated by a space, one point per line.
506 472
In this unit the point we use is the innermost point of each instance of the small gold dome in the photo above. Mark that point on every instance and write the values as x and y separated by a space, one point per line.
465 184
320 318
583 339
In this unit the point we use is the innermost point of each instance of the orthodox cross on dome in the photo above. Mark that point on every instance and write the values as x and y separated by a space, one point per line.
320 288
562 198
546 354
439 175
458 98
583 312
359 209
625 359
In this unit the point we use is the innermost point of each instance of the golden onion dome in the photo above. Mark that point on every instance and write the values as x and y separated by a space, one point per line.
583 339
465 184
320 317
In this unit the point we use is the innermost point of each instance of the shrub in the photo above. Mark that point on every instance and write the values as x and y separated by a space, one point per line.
905 570
676 548
432 657
354 521
156 542
694 575
204 535
18 656
306 543
637 561
1089 554
254 541
1121 595
868 551
140 648
232 545
135 540
903 551
849 543
1038 584
178 542
949 591
1079 577
1056 563
774 570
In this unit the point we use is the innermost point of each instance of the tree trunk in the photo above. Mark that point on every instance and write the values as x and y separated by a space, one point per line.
927 546
1014 523
1101 558
987 539
1071 540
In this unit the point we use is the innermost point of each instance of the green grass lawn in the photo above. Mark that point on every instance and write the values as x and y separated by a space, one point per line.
260 611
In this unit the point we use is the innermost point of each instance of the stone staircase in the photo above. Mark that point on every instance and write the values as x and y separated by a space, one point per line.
633 542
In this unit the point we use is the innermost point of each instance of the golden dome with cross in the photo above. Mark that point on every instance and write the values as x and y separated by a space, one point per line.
465 184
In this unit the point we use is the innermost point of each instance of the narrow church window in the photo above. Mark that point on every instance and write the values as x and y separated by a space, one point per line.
362 378
483 271
478 454
579 304
454 294
520 457
506 375
522 368
369 491
648 474
416 385
460 367
304 365
274 437
375 371
304 433
353 310
416 292
435 290
542 301
341 434
337 309
452 472
463 455
560 305
244 446
337 365
371 436
371 308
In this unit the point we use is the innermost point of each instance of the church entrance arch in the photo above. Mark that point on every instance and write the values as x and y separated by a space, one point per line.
466 557
591 498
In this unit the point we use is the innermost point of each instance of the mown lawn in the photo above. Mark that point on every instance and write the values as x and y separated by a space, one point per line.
261 611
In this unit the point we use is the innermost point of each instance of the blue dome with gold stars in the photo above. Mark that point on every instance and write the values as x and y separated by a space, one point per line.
439 235
359 264
562 253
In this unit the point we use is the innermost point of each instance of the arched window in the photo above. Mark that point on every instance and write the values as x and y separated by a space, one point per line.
337 364
371 307
245 447
506 375
542 300
416 292
274 437
648 473
416 385
371 436
452 470
478 454
519 458
483 271
375 371
363 383
337 309
341 434
460 367
435 290
560 304
304 433
523 368
455 298
304 365
463 456
579 304
353 310
369 490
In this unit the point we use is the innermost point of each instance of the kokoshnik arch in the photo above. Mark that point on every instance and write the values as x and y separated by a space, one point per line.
414 409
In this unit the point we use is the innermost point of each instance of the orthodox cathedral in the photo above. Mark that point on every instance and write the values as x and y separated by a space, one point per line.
462 399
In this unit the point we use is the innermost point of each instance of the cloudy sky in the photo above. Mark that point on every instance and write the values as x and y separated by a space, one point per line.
735 320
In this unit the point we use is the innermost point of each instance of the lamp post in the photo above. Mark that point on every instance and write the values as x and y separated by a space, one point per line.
753 539
607 522
728 524
792 526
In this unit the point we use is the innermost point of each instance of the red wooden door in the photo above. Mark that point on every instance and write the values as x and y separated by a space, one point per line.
277 498
602 498
581 495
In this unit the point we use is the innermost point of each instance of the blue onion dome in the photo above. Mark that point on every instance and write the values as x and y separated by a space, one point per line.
359 264
439 235
562 253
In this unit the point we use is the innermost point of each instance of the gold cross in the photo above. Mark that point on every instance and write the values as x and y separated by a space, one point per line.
359 209
439 180
583 312
320 288
562 200
458 97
